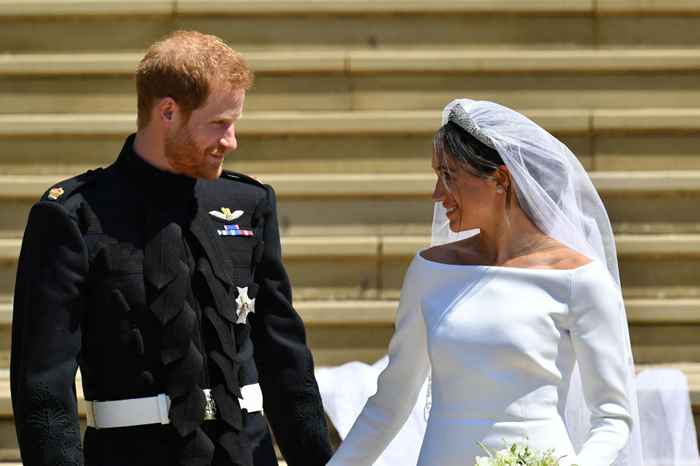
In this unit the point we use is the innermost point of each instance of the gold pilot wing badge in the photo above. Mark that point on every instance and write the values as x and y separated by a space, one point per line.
55 193
226 214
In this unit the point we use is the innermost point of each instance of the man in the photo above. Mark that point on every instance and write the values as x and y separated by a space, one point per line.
161 278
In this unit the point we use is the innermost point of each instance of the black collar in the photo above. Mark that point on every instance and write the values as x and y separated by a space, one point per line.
150 178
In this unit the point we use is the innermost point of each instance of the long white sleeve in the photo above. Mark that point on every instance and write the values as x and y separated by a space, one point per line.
398 385
597 317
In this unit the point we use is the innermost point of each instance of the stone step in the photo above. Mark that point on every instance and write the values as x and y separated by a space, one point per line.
373 266
43 8
385 122
345 79
572 121
385 185
46 8
662 330
396 204
643 308
358 61
357 141
110 25
638 202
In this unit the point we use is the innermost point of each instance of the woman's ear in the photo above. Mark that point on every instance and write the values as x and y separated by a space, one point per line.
504 184
502 178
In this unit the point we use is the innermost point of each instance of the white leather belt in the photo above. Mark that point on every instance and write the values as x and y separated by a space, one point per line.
154 409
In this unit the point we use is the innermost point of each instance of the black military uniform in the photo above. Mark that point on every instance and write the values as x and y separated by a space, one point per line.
131 274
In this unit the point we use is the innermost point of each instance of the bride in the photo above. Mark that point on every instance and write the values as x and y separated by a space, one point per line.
522 326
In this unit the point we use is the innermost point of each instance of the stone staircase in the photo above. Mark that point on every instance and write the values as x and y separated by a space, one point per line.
348 94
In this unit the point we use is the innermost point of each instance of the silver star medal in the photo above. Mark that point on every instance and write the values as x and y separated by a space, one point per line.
244 305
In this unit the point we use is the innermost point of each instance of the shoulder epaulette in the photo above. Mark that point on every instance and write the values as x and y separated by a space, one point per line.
63 189
231 175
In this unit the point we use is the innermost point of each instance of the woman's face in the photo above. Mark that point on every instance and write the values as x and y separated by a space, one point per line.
470 201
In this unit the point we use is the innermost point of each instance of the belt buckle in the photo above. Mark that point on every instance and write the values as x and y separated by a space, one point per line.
91 417
210 406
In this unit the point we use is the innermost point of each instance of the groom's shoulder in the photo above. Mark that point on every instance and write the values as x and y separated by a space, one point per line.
241 184
63 199
68 191
234 179
231 175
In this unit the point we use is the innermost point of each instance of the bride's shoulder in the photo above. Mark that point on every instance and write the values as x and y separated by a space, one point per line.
552 255
464 252
570 259
592 286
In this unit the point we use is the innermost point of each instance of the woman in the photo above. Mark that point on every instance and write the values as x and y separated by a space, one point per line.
520 323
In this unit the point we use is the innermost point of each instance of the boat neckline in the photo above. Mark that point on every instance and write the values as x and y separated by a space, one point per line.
501 267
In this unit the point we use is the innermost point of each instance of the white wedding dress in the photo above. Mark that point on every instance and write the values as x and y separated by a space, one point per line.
501 343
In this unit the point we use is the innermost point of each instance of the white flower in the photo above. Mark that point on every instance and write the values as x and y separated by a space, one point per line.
483 461
517 454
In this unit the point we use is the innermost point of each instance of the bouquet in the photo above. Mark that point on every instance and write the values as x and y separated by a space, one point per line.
517 455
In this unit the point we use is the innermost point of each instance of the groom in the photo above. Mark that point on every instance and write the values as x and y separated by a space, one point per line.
161 278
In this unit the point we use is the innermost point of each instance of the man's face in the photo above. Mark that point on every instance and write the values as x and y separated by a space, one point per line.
197 147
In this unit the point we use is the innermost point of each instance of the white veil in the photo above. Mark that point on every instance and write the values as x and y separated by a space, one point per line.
557 194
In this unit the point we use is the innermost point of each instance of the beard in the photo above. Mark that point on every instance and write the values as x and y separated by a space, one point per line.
187 158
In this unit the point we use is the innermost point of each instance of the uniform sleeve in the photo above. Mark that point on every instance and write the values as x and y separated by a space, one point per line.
397 388
292 401
597 330
46 338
